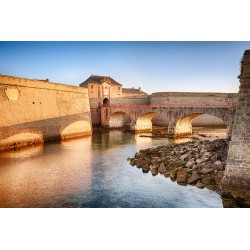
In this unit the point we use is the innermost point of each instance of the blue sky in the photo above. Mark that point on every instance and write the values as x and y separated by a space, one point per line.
154 66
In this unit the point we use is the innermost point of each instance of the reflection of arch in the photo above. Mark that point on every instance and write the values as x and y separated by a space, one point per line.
184 124
106 102
21 139
119 120
75 129
144 121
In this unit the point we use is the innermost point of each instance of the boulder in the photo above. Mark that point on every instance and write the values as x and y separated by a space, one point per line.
206 170
200 185
173 174
132 162
194 178
154 171
207 181
189 164
145 168
183 157
167 174
162 169
182 176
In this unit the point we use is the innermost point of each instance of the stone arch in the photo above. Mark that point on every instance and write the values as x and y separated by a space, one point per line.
183 125
119 119
75 129
144 122
106 102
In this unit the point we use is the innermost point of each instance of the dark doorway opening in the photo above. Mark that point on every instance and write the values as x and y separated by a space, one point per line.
105 102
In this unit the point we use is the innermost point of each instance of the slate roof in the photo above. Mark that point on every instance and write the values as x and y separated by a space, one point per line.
100 80
133 91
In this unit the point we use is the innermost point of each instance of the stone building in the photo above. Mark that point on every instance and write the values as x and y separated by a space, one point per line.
104 90
102 87
105 87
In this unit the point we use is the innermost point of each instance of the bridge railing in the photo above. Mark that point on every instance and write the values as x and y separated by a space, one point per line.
171 105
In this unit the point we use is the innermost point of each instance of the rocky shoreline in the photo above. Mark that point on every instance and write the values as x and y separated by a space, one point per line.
200 163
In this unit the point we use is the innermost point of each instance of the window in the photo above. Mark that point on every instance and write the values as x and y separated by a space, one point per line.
91 86
119 88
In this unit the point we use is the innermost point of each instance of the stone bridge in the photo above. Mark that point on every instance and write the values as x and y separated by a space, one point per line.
180 116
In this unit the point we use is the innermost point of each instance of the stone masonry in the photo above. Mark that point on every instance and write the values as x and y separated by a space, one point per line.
36 111
236 181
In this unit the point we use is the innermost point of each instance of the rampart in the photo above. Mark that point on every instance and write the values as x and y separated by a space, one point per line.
34 111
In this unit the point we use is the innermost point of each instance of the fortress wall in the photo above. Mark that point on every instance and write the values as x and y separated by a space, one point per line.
236 180
34 111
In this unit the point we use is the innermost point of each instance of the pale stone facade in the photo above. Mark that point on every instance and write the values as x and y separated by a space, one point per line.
102 87
34 111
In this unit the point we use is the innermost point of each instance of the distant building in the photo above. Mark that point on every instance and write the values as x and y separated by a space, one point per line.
102 87
107 87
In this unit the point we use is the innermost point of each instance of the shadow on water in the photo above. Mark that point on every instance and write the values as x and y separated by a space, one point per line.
92 172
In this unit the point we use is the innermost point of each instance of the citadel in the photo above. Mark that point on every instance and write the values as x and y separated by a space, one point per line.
37 111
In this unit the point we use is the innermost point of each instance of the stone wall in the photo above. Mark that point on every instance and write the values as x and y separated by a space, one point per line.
236 180
193 98
130 100
34 111
186 98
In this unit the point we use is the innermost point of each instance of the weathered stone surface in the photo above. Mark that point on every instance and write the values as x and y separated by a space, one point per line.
200 185
207 181
194 178
173 173
36 111
154 171
236 180
183 157
162 169
206 170
182 176
145 168
189 164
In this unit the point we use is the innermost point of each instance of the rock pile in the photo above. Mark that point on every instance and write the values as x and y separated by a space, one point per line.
201 163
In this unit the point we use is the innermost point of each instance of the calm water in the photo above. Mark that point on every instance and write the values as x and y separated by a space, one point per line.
92 172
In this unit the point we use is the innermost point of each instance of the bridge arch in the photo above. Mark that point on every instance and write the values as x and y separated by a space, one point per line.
183 125
77 128
119 119
144 121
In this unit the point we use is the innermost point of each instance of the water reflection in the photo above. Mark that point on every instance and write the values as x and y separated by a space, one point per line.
92 172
